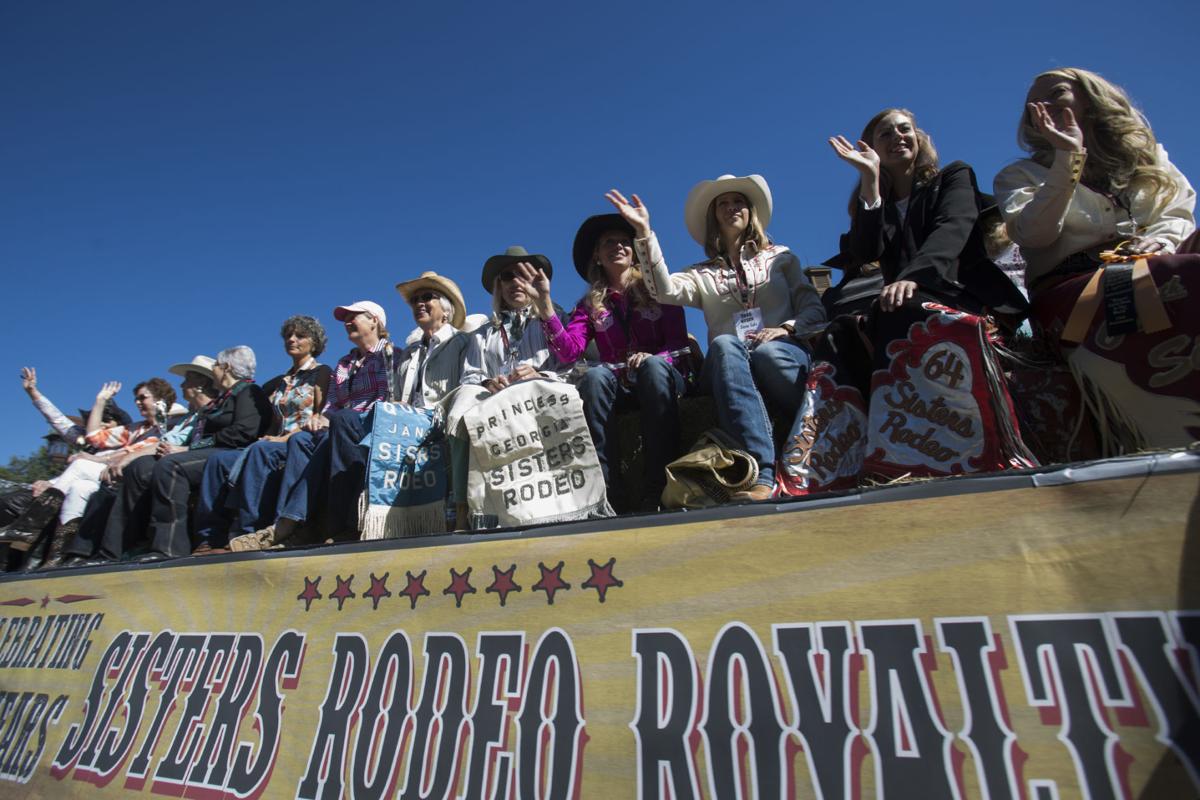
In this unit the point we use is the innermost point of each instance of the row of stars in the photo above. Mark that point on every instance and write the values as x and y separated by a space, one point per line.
503 583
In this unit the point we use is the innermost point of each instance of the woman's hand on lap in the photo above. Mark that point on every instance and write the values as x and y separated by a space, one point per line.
896 294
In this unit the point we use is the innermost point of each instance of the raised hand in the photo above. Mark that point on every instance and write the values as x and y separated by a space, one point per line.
29 380
108 391
862 157
1063 135
634 212
533 282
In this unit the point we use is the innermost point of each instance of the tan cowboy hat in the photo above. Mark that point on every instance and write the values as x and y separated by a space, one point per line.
443 286
753 187
513 255
201 364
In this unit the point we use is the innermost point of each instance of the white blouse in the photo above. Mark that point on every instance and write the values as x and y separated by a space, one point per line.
1052 216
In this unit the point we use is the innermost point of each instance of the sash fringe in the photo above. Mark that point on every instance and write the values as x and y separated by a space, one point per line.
392 522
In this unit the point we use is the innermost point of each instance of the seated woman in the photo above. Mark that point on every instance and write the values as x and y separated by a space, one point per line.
238 417
646 340
431 365
123 531
508 349
107 446
1097 180
323 467
756 301
247 481
935 399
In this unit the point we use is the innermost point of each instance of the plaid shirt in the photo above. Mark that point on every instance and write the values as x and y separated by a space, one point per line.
358 382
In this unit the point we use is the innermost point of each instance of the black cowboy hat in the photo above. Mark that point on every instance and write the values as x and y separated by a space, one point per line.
589 232
112 413
513 255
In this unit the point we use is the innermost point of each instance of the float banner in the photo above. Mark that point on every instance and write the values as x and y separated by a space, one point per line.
406 473
1026 642
532 458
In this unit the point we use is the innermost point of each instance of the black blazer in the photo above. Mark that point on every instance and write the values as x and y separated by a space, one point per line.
938 246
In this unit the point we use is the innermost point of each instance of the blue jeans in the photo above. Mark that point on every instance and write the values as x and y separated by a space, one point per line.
211 524
327 490
257 498
656 392
740 380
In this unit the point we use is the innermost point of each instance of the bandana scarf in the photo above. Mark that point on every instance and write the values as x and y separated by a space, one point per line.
406 473
532 459
938 405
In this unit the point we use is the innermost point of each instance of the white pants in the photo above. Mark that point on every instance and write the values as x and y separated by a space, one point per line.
78 481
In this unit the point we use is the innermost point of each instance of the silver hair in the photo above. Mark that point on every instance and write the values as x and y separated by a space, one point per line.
240 361
448 306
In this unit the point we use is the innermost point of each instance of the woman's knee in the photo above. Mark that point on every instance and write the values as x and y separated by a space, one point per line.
597 382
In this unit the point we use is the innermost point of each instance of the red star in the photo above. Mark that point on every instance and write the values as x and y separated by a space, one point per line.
310 592
602 577
342 593
415 587
378 590
551 581
45 601
459 585
503 583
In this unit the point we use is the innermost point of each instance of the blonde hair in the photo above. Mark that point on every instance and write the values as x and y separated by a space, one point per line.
754 234
925 168
1122 151
632 285
498 304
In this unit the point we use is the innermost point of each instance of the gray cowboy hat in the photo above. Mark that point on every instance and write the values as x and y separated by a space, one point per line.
513 255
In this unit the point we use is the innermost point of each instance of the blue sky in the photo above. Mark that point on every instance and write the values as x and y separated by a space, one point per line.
177 178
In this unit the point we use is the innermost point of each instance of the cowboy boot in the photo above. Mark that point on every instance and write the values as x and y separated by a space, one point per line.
23 531
58 543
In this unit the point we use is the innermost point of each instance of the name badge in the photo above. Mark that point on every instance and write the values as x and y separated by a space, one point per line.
747 321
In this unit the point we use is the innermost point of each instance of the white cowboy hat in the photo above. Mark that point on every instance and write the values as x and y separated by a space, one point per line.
753 187
201 364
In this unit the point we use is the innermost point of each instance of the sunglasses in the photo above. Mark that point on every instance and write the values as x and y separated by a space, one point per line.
424 297
508 276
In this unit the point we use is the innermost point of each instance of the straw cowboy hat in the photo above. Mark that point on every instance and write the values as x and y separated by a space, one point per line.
200 364
442 285
513 255
591 230
753 187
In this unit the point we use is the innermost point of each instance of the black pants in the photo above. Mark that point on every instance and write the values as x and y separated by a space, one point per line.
130 512
175 478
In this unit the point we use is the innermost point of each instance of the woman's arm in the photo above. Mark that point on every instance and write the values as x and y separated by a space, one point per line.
680 289
474 367
808 314
251 416
1177 219
1034 207
568 342
67 429
95 420
676 289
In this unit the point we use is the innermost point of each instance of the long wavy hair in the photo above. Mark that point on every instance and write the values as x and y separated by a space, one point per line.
924 170
631 285
1122 153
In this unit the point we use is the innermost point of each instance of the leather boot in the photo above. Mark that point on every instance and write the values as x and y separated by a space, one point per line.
58 543
23 531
